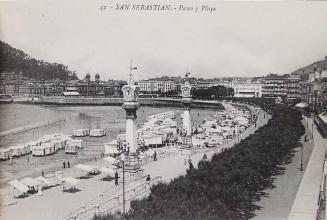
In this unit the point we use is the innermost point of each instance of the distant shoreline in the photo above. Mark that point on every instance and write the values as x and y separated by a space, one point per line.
28 127
98 101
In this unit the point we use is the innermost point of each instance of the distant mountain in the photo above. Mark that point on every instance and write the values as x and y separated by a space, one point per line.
321 64
15 60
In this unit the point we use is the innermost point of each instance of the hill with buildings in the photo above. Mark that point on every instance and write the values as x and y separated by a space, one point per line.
320 65
16 61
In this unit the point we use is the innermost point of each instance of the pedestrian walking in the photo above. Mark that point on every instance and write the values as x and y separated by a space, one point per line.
68 164
64 164
190 164
155 156
116 178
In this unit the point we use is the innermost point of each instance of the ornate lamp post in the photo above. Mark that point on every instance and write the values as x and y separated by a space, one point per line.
131 105
187 101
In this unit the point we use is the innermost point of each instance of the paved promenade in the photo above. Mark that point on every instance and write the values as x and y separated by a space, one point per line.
277 205
305 206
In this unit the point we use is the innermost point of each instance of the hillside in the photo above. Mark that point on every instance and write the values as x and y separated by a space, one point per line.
15 60
309 69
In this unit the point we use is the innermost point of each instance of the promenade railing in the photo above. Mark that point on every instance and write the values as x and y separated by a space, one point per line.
102 206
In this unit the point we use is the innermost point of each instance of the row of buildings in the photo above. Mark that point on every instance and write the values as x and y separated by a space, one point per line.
16 84
271 86
308 86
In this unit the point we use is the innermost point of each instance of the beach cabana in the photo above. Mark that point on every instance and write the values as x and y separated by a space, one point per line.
20 188
74 142
17 150
45 182
5 153
151 139
97 133
32 184
111 148
73 145
44 149
91 170
81 132
70 183
108 171
54 181
70 149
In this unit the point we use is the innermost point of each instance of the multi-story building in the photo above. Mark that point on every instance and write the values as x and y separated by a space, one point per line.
247 89
293 89
154 86
275 86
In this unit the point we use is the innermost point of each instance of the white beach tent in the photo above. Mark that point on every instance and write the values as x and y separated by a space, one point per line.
51 177
32 184
108 171
5 153
81 132
70 182
111 148
18 150
45 181
43 150
87 168
20 187
98 132
77 142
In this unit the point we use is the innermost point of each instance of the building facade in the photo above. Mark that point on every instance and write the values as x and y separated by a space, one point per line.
275 86
247 89
86 87
293 89
154 86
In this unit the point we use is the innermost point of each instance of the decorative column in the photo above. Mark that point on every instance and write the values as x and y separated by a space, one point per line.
187 122
131 105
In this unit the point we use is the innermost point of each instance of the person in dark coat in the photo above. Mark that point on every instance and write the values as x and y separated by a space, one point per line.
148 178
116 178
68 164
155 156
190 164
64 164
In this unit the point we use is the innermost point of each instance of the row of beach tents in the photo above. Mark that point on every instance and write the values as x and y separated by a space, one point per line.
47 145
30 185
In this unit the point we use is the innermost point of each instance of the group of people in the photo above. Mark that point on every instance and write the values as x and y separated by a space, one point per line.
190 163
64 164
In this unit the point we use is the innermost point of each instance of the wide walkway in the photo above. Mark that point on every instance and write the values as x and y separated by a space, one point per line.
305 206
279 201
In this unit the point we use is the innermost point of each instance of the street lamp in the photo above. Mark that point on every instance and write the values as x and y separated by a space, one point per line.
123 163
313 120
301 166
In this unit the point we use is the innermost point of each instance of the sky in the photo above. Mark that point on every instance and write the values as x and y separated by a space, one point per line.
240 38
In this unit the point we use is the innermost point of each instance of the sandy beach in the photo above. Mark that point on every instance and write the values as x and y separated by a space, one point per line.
56 204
